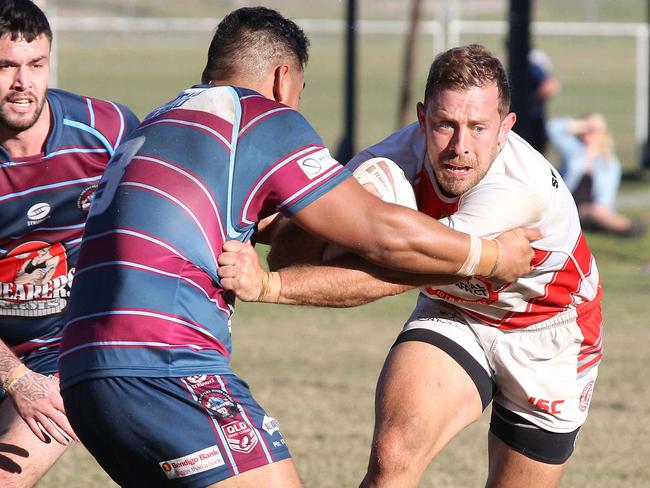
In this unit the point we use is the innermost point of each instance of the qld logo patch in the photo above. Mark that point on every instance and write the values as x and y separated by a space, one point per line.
240 436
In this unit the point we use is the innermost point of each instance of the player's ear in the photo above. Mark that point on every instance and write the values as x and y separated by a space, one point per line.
506 124
281 83
421 111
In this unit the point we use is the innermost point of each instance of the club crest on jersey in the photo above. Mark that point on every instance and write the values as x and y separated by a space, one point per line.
469 290
585 396
316 163
38 213
219 403
241 436
86 197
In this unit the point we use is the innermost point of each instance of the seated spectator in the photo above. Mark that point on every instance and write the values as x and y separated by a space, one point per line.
544 87
592 171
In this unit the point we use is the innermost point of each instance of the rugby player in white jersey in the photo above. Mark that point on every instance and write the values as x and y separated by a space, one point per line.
531 347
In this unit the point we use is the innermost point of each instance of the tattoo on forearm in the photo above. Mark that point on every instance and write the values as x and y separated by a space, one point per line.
8 361
32 386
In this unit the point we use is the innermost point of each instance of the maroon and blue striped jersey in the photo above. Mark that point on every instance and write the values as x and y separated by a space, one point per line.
44 201
202 169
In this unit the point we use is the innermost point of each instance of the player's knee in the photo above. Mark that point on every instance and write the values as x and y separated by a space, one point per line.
401 448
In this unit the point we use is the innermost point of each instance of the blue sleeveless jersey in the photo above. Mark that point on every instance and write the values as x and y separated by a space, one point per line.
200 170
44 201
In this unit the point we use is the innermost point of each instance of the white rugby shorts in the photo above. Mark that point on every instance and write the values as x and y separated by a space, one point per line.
544 372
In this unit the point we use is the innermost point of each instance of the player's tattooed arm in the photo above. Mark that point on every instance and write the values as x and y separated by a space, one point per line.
36 399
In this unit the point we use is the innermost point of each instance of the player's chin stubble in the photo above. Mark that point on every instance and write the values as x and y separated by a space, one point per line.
19 124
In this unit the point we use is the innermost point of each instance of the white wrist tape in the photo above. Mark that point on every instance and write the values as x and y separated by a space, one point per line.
471 263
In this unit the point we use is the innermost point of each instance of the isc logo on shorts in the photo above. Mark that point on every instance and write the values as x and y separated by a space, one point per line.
196 462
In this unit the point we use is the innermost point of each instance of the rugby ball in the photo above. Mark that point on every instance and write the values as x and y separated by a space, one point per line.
385 179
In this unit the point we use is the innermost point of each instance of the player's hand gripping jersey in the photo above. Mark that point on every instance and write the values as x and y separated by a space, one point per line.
44 202
520 189
200 170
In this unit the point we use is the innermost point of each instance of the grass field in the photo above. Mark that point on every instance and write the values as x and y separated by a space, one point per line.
315 369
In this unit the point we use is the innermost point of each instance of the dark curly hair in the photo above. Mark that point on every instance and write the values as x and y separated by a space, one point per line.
23 19
249 39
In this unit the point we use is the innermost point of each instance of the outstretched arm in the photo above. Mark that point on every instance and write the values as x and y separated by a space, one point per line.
346 281
403 239
36 398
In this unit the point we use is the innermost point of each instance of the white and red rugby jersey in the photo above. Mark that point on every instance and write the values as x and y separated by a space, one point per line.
521 188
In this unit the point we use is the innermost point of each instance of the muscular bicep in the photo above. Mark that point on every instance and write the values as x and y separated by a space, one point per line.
389 235
292 245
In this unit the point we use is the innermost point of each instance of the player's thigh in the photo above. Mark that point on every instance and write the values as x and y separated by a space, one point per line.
191 431
424 398
509 468
24 458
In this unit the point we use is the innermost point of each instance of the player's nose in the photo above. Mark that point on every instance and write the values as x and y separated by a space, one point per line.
22 79
459 142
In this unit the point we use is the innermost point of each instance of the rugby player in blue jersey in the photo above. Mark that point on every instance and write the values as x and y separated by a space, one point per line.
54 146
147 346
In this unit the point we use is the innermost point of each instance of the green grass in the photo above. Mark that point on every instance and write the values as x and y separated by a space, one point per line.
315 369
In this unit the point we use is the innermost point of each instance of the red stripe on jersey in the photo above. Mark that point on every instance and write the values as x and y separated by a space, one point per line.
428 200
565 282
185 191
149 332
49 236
590 321
128 247
200 117
49 171
539 258
321 180
107 121
254 106
133 249
29 347
280 182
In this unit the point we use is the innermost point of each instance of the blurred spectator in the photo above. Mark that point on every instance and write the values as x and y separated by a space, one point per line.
592 171
544 86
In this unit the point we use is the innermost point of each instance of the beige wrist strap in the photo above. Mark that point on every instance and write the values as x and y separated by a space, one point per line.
490 258
473 259
14 376
271 288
